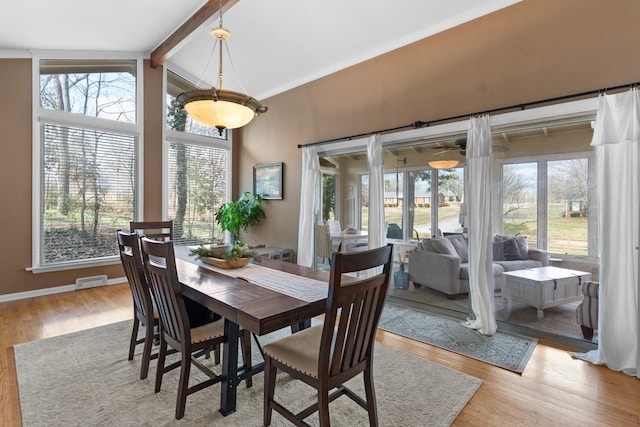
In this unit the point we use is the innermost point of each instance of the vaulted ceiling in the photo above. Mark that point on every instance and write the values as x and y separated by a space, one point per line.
275 45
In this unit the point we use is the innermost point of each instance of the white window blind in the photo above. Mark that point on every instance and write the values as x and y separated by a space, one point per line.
197 176
87 192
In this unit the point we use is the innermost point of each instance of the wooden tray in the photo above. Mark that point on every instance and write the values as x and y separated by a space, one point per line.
224 263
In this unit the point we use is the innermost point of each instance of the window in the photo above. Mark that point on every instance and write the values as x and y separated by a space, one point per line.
450 196
86 150
197 172
520 200
421 185
548 201
328 196
420 213
568 206
393 204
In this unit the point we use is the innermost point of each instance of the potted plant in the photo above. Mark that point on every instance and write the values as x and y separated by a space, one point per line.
240 215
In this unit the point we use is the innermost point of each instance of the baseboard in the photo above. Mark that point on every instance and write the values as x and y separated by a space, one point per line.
51 291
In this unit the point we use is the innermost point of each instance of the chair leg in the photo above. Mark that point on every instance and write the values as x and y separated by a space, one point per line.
323 407
146 351
370 394
183 386
216 354
162 354
269 389
134 336
245 345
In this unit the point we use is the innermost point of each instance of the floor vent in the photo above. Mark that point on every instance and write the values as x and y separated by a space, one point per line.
91 282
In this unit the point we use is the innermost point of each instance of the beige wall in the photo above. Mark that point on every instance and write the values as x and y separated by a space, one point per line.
530 51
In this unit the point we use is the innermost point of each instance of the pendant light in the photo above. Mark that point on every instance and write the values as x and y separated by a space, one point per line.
215 107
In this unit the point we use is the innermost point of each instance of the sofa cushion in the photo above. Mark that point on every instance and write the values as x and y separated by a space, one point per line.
519 265
460 245
427 245
523 246
444 246
506 250
464 271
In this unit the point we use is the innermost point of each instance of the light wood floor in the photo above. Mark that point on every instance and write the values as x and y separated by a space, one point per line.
554 389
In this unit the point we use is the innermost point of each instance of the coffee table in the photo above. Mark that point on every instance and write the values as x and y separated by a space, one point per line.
544 287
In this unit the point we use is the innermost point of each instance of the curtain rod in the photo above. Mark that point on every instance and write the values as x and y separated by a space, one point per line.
420 124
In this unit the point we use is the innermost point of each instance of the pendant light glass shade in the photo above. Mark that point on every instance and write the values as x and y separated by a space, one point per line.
443 164
222 109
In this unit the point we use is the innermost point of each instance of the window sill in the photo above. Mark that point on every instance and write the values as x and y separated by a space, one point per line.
74 265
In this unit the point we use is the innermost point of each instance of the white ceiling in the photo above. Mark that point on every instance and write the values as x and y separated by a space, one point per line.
275 45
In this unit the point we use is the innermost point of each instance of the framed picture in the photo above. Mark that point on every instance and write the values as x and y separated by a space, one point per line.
267 181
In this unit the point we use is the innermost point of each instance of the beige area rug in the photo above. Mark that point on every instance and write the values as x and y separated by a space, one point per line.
84 378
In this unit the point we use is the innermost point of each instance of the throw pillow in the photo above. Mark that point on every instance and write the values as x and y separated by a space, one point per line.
498 254
460 245
510 250
523 246
444 246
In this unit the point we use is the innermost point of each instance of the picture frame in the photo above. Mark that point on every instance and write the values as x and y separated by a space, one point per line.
267 181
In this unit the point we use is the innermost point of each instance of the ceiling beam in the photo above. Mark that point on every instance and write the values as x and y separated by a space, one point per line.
173 43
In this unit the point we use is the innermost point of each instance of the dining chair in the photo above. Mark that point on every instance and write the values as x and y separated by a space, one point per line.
175 331
163 231
328 355
322 242
335 228
143 311
156 230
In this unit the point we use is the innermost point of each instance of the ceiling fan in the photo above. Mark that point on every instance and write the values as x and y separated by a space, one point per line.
461 146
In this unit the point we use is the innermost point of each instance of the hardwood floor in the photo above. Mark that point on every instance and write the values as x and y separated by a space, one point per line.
553 390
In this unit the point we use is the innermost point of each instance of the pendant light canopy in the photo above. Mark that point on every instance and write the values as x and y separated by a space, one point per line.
215 107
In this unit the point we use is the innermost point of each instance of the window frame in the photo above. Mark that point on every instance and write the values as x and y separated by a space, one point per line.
43 115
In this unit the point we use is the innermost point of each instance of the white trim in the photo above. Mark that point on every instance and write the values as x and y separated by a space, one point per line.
74 265
78 54
15 54
51 291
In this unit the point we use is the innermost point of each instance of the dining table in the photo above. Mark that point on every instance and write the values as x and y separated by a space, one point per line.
261 297
345 237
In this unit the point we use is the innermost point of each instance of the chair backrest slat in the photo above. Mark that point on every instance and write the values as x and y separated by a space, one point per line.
160 265
131 259
354 307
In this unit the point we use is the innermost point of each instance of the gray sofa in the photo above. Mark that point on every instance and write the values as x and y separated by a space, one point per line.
442 263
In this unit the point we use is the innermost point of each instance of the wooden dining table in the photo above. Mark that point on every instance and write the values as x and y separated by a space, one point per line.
344 238
253 307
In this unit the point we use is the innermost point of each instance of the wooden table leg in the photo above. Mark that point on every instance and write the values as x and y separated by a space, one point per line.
229 368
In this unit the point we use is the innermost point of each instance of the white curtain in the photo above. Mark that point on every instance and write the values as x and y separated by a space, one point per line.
377 232
616 138
478 202
310 175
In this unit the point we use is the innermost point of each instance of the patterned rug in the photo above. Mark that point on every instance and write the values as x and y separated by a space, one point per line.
85 379
505 350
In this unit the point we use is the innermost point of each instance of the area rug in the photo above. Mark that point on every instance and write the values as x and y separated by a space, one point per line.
84 378
505 350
